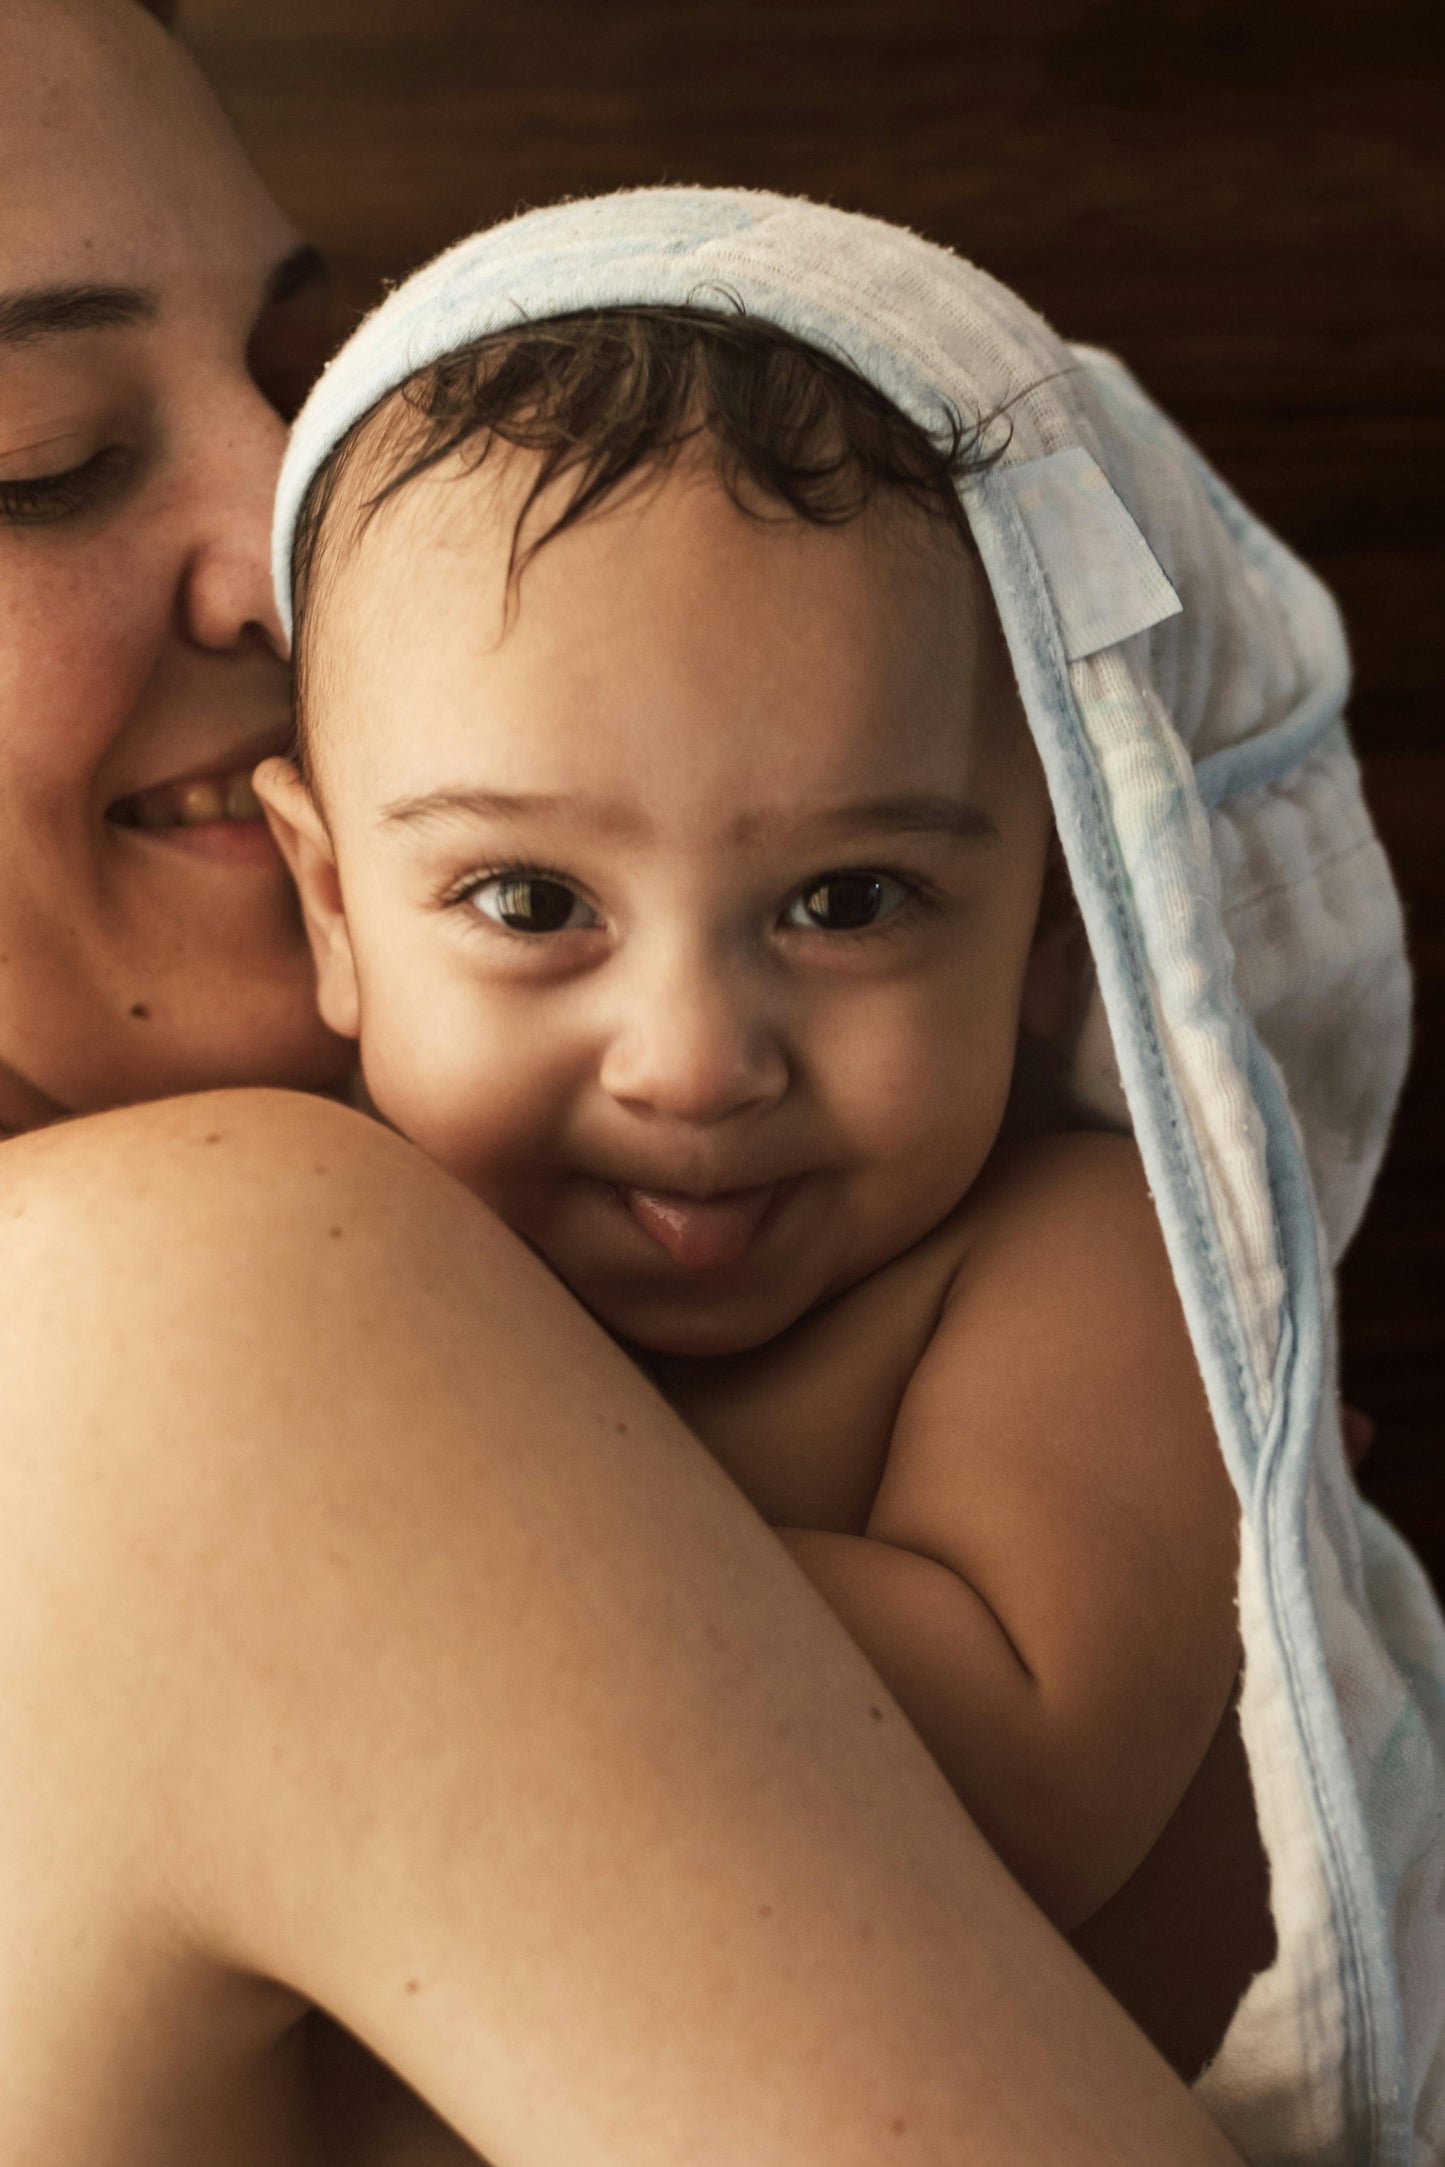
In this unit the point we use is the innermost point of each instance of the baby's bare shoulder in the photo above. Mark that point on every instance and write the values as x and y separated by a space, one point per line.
1054 1445
1063 1179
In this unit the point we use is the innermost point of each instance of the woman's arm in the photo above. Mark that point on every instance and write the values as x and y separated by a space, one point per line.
374 1636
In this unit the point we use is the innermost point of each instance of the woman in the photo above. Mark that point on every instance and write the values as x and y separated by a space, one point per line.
540 1770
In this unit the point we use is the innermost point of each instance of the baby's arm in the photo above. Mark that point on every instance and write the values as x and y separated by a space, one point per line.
1047 1577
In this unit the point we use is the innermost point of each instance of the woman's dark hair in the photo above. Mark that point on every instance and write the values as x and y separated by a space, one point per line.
607 393
163 10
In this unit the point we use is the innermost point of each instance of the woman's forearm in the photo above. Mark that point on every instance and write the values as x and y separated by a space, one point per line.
434 1672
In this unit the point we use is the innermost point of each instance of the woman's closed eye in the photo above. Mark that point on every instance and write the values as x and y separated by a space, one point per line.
41 499
536 900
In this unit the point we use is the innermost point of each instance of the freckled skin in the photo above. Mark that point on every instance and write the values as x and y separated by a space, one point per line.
138 638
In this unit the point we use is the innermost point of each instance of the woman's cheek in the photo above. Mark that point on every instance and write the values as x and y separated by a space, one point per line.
63 702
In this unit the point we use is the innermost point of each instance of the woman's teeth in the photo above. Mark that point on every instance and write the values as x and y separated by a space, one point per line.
192 804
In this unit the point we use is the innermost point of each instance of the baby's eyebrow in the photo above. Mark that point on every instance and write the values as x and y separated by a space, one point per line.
914 812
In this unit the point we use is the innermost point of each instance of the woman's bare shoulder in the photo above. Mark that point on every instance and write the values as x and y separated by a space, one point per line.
187 1152
126 1136
183 1204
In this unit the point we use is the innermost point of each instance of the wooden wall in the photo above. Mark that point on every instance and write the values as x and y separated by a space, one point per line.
1245 197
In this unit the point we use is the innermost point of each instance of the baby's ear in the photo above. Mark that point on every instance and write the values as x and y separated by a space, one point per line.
1056 974
305 843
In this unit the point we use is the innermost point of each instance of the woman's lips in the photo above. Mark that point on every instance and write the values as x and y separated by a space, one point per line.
701 1234
215 816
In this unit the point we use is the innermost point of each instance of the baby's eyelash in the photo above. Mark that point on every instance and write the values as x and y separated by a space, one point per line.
516 869
918 896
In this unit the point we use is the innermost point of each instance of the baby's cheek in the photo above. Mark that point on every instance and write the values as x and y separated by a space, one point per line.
433 1075
929 1078
463 1062
925 1104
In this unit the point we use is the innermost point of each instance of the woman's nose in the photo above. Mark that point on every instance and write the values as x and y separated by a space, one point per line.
226 598
695 1044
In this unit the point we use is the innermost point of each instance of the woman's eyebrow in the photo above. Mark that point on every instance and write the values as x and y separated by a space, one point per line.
45 312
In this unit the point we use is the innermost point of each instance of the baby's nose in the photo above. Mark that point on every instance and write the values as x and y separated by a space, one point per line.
694 1043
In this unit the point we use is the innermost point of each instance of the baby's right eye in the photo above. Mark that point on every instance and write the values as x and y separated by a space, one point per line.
525 902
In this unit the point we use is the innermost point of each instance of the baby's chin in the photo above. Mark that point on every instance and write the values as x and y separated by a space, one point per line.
698 1325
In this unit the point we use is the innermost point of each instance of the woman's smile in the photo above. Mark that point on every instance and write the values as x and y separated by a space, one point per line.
214 814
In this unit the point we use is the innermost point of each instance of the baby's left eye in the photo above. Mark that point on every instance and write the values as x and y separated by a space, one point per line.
847 902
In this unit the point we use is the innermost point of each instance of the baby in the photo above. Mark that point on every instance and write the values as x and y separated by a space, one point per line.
672 842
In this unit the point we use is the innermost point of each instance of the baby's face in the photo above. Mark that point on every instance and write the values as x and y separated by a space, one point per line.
687 916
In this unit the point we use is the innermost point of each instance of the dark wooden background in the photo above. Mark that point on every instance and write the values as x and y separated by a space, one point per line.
1245 197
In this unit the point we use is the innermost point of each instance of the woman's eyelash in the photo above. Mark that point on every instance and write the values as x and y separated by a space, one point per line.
918 895
43 498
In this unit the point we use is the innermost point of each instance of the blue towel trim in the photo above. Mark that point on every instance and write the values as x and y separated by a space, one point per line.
1268 1460
1376 2083
1101 885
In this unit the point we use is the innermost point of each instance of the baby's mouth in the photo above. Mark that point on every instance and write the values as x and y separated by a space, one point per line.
700 1233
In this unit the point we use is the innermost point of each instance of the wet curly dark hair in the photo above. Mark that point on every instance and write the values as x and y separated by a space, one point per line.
605 393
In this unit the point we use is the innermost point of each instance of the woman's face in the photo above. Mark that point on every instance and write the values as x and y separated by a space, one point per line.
157 319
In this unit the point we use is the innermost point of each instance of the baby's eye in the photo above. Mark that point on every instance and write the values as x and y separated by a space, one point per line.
847 902
527 903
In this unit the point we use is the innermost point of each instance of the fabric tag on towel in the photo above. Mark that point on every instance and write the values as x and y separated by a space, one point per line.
1106 582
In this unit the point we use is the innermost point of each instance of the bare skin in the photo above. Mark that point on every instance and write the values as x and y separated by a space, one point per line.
256 1543
821 1430
157 314
803 1426
567 1718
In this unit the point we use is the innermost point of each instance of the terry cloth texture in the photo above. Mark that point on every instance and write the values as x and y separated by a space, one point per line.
1184 677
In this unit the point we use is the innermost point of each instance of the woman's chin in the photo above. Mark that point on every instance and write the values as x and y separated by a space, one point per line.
253 1037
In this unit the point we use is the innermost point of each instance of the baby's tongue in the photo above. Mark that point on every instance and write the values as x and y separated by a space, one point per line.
699 1234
